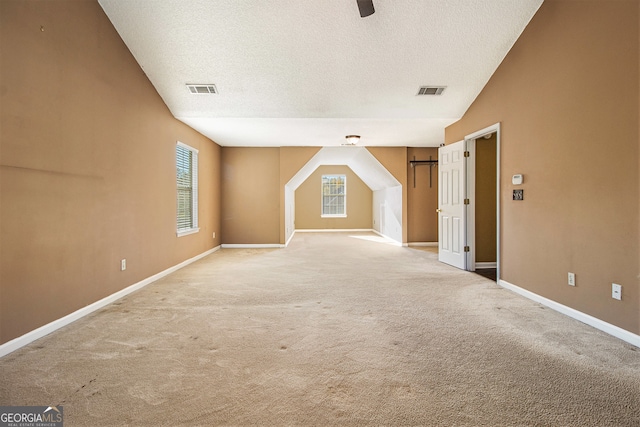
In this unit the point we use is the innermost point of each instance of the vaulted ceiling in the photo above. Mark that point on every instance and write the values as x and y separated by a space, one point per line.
309 72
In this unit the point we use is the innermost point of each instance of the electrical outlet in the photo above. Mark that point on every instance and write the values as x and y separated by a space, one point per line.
616 291
214 234
571 279
123 265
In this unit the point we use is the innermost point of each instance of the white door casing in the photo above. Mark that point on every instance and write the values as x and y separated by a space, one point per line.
451 207
470 194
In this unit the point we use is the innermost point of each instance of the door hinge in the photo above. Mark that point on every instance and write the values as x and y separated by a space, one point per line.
466 201
467 154
466 249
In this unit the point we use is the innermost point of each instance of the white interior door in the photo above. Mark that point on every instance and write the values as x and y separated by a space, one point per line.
451 207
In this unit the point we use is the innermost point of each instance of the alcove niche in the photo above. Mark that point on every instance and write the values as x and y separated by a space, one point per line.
387 190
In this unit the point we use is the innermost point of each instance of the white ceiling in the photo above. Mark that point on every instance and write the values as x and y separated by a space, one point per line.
309 72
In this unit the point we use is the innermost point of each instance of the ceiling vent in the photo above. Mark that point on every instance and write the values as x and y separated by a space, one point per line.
431 90
202 89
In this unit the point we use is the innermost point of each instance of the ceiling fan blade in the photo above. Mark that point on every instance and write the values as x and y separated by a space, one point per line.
366 8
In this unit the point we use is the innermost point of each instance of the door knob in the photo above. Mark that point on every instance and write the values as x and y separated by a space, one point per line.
438 210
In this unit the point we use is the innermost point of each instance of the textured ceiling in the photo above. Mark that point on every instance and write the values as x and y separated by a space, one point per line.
308 72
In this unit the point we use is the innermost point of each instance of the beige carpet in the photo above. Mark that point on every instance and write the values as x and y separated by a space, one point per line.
336 329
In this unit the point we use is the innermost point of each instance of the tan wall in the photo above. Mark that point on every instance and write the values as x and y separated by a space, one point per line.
250 195
422 200
251 175
394 159
87 166
485 200
309 202
253 191
567 95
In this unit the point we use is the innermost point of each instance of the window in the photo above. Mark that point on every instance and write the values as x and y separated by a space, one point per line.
334 195
187 189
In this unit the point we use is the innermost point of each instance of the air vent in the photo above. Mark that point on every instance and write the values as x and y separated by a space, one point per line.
431 90
202 89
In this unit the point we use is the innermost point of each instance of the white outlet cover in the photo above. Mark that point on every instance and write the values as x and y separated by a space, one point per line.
616 291
571 279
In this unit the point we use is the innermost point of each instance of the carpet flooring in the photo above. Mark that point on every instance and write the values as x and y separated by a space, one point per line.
337 329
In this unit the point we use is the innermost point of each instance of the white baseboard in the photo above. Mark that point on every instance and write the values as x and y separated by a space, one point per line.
610 329
299 230
252 245
351 230
29 337
333 230
423 244
481 265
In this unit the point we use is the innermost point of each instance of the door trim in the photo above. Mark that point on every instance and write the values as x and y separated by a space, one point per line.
470 146
471 185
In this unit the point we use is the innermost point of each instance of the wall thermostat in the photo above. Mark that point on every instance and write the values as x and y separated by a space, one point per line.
517 179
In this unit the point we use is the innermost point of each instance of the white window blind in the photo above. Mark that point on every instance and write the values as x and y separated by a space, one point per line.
334 195
187 189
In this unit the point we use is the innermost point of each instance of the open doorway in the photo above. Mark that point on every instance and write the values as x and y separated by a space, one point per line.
483 209
486 206
469 203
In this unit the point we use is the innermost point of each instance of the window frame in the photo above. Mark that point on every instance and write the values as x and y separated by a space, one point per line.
193 226
344 196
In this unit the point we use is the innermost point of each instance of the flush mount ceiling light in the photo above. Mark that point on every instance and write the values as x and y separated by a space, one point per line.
351 139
